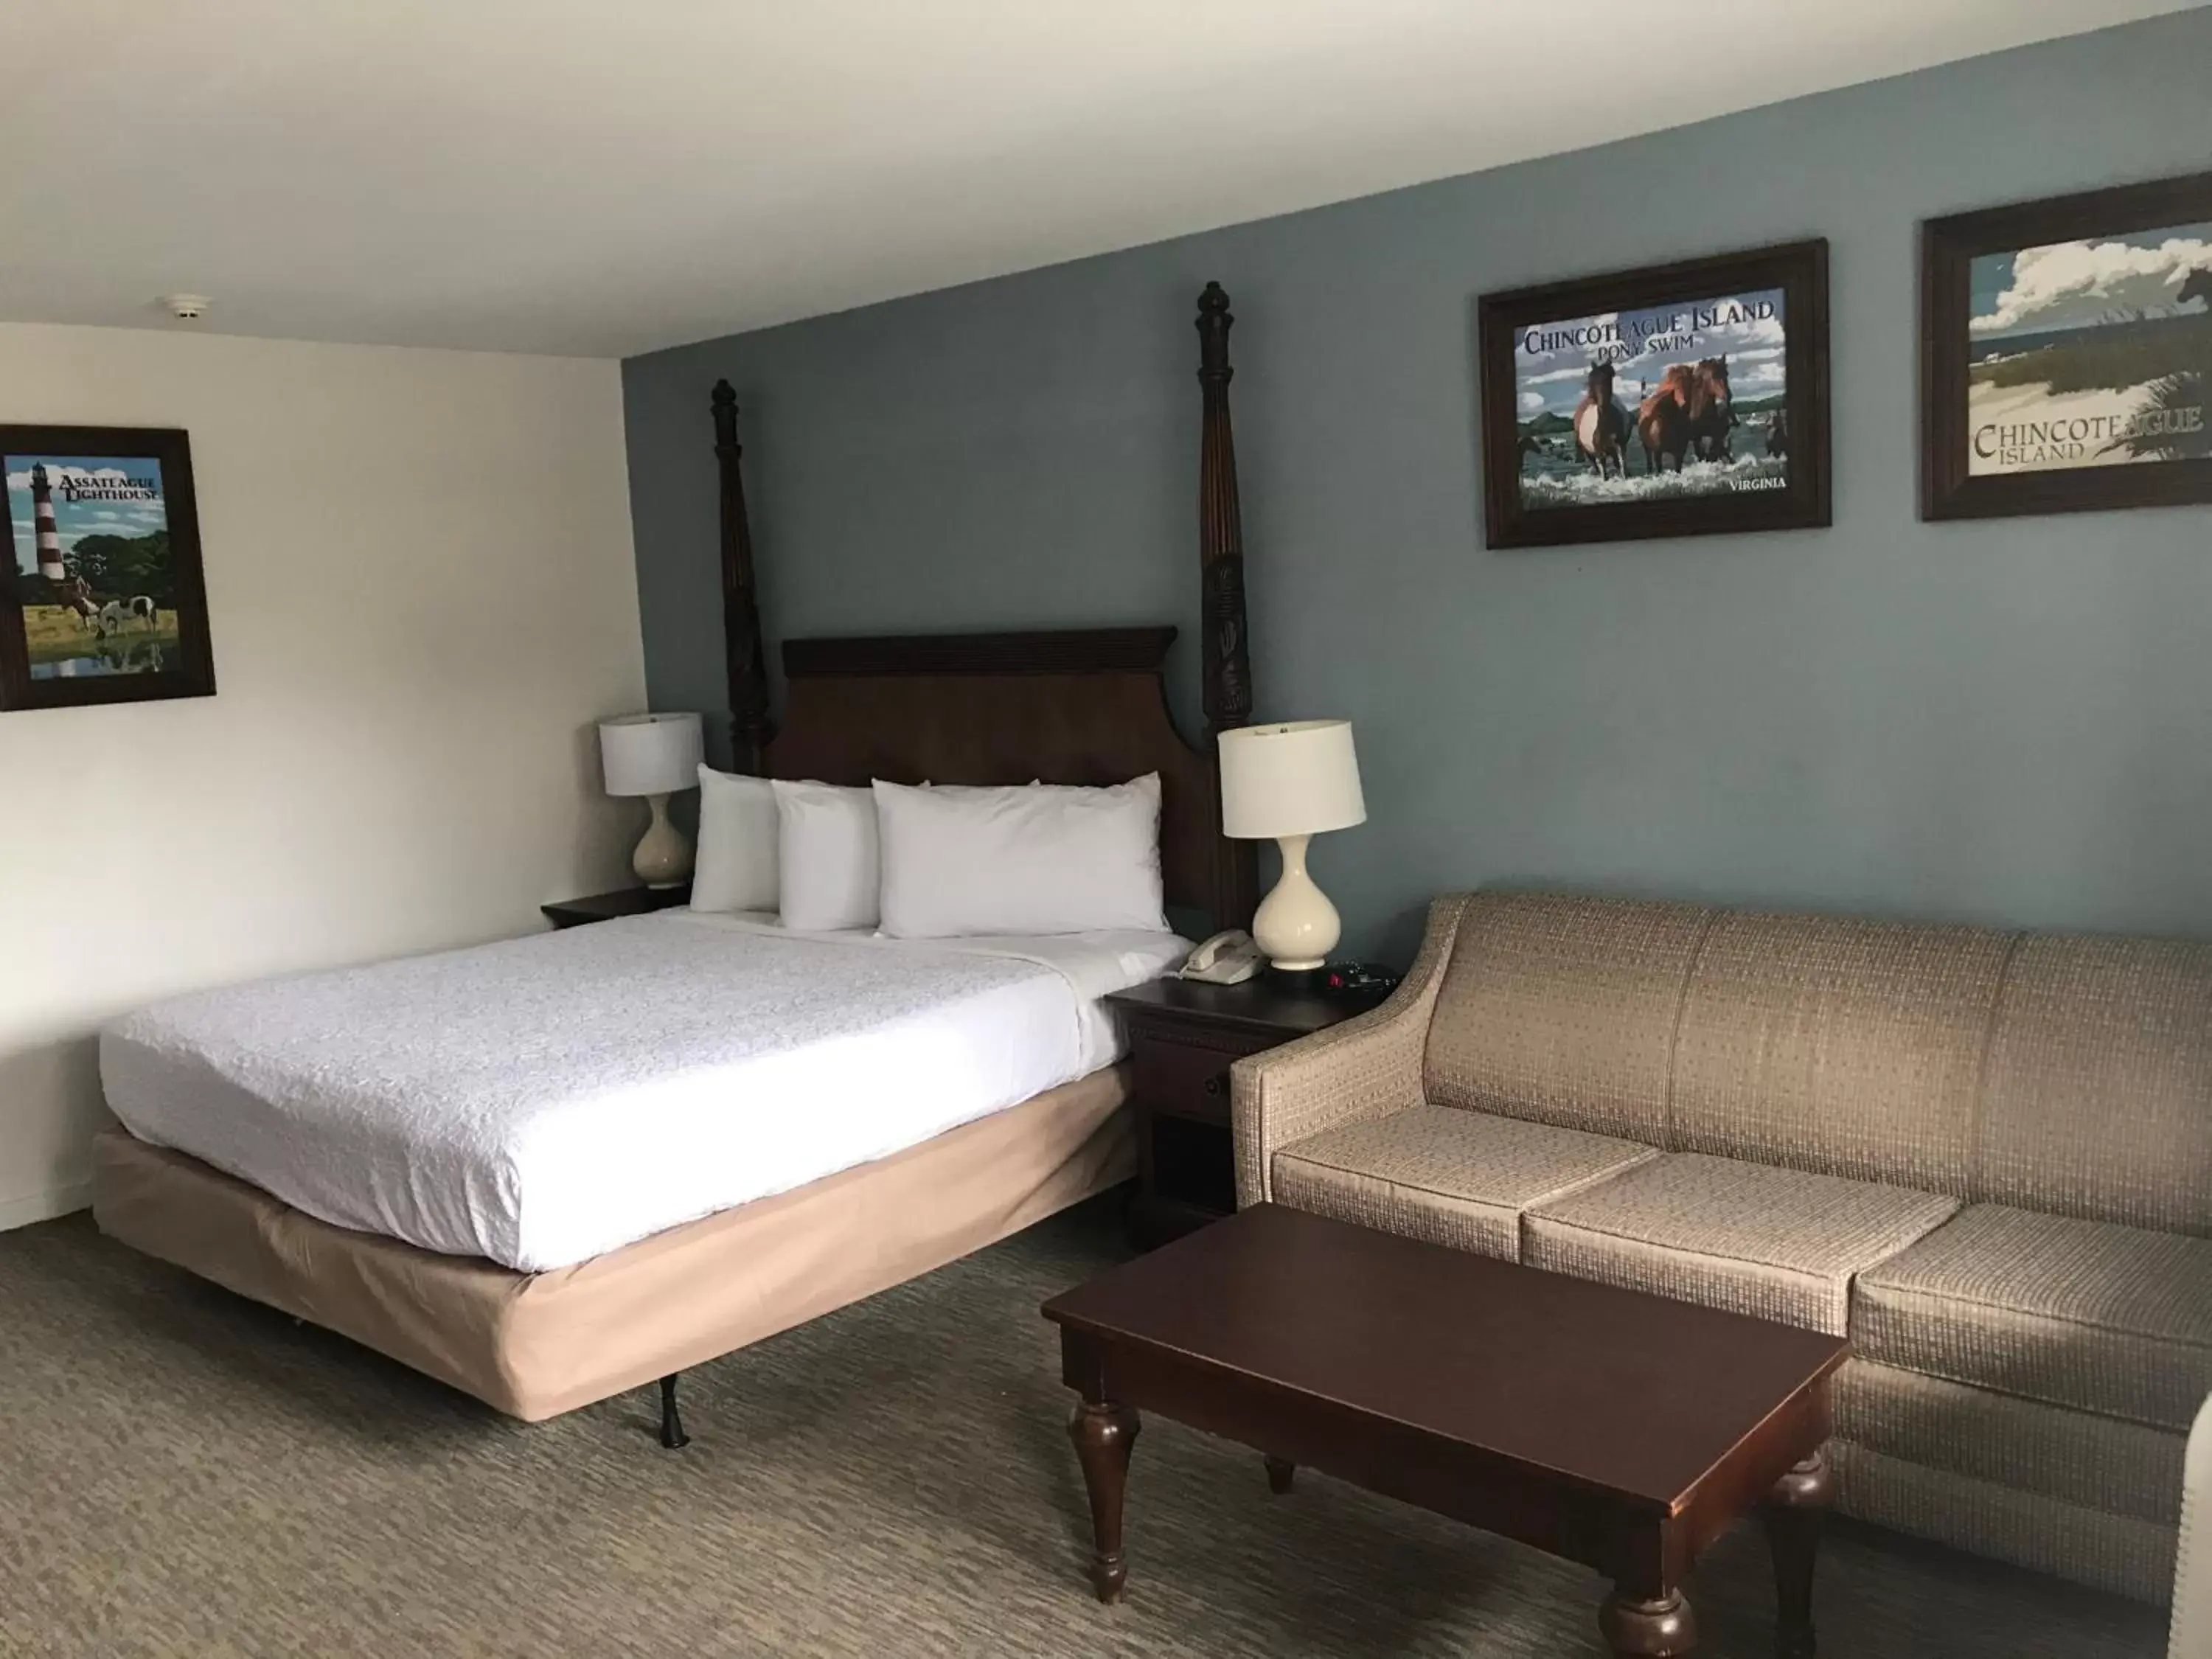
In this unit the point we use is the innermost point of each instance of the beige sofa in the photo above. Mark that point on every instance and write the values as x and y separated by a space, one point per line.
1987 1156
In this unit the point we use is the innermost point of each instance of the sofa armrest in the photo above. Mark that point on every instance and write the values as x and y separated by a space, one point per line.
2192 1571
1367 1065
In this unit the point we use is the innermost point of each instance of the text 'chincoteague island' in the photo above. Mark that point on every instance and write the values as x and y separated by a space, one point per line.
1612 341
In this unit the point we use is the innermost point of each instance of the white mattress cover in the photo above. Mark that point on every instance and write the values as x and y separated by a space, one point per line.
545 1100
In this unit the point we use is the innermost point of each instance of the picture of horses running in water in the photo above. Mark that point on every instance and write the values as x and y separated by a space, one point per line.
1640 405
1702 381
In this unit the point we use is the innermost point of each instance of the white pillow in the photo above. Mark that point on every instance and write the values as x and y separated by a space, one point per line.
1040 859
826 849
737 863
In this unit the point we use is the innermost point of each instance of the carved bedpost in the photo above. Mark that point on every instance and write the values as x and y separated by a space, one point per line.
1225 659
749 728
1225 663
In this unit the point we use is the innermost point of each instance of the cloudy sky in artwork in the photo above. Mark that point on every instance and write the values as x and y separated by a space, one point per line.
2063 285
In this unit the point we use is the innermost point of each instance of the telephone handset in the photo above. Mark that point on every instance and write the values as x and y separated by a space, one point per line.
1229 958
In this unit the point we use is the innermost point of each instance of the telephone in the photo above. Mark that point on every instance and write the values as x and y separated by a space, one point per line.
1229 958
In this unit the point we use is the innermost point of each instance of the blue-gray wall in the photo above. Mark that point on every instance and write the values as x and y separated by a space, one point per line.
2003 720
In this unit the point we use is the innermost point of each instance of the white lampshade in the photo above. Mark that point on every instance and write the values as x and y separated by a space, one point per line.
650 754
1297 778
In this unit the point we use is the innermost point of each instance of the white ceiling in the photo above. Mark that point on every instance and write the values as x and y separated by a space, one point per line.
603 177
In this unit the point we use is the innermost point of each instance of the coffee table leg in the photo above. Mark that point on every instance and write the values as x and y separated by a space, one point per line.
1104 1434
1280 1473
1793 1514
1639 1629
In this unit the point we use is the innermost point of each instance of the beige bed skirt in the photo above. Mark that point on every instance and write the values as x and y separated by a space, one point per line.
536 1345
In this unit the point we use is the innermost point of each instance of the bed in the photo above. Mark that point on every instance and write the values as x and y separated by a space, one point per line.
402 1153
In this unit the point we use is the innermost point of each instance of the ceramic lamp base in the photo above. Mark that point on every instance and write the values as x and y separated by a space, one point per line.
1296 925
663 858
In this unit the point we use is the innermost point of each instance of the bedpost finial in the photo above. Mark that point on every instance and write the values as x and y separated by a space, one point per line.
1213 325
724 400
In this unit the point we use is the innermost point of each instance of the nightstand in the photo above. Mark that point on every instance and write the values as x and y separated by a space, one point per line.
1182 1036
622 902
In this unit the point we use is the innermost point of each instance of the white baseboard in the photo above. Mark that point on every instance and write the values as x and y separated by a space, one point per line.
44 1207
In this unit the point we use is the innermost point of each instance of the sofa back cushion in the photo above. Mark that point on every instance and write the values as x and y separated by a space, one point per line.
2065 1073
2098 1100
1561 1009
1837 1046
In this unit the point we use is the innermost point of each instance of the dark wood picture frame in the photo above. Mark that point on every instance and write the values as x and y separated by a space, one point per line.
193 675
1799 269
1948 247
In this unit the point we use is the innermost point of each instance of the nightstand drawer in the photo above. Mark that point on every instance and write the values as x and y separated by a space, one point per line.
1184 1034
1187 1079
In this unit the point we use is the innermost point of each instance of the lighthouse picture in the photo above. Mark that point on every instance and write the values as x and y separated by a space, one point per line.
104 600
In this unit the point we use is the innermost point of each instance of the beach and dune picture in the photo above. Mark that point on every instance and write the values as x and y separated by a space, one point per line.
2093 353
2069 352
104 601
1670 406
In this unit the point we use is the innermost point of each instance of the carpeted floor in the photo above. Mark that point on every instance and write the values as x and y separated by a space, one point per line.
184 1472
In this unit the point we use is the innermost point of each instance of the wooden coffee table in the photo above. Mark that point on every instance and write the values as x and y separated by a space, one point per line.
1620 1430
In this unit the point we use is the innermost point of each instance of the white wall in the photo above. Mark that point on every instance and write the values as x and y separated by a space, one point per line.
421 595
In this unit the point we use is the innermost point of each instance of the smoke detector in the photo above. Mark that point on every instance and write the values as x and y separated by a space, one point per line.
186 307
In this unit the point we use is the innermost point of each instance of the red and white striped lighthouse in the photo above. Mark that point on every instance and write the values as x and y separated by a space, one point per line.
50 540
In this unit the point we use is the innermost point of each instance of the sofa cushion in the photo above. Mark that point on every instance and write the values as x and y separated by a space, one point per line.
1561 1009
2098 1074
1774 1243
1443 1174
1836 1045
2086 1313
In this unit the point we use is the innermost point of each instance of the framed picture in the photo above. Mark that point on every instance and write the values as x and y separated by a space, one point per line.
1687 399
103 600
2066 347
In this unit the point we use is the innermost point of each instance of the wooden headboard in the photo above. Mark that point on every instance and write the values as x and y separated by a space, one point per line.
1082 707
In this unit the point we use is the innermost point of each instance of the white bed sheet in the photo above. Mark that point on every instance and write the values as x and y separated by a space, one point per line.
545 1100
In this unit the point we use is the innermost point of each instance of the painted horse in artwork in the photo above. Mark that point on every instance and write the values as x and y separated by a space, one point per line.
1712 411
1662 425
1689 415
1777 434
76 595
1602 425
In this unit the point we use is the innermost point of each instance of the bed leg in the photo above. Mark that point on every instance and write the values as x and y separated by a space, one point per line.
671 1422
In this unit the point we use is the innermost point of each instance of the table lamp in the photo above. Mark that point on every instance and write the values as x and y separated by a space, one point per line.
654 756
1288 783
